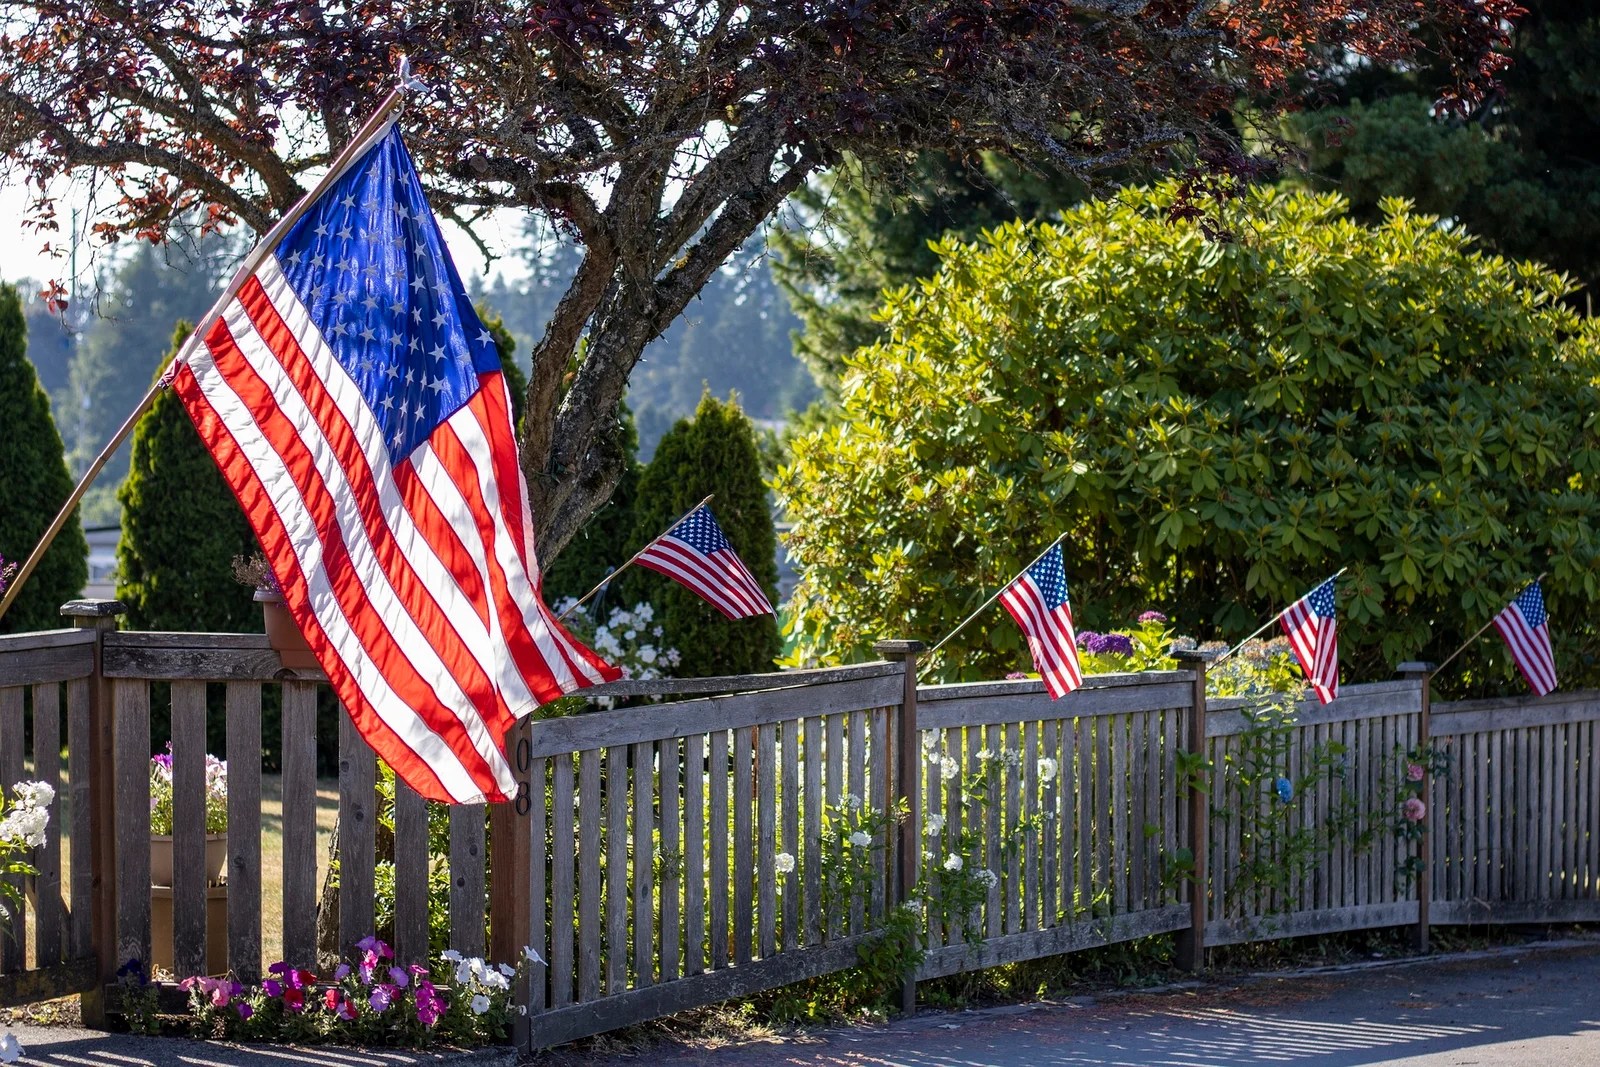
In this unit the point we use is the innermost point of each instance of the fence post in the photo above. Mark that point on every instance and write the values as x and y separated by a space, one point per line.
1422 674
903 787
1192 942
99 616
511 874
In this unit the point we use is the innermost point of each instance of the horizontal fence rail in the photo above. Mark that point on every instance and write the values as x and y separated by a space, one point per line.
712 838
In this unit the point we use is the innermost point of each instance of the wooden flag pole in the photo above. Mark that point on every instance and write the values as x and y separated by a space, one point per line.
1480 630
359 143
1272 620
993 597
575 605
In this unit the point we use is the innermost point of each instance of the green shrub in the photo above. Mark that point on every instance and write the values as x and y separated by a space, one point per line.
181 529
715 452
1216 424
35 484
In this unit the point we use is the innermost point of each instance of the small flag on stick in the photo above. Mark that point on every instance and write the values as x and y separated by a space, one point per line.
1037 599
1311 626
696 554
1526 630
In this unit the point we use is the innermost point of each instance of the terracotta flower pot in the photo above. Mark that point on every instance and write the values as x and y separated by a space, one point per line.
282 633
161 859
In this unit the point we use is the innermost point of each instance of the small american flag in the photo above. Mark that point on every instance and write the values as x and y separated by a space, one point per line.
1037 599
1526 629
1311 624
355 406
695 553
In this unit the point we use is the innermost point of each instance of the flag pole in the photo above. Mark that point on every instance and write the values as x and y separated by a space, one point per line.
583 599
252 261
982 607
1481 629
1270 621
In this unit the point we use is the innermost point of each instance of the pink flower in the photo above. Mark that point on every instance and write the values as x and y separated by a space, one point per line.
1414 809
1414 772
399 977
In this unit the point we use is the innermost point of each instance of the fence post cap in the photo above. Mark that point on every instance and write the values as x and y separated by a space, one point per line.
896 649
1415 668
93 609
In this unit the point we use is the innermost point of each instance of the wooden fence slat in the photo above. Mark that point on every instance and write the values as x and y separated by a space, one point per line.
832 913
131 740
810 859
880 785
358 771
718 876
1067 801
48 917
674 865
766 840
80 924
790 785
13 939
1050 835
644 912
994 767
1030 813
694 853
538 879
616 903
856 774
299 740
468 826
1087 821
410 878
1546 826
575 977
1011 823
743 861
189 828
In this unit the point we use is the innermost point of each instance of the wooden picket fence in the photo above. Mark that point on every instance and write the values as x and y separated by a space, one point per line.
687 851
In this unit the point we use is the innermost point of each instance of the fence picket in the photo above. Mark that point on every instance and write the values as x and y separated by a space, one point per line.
80 925
694 863
810 860
538 886
672 858
790 785
131 747
13 939
299 741
743 862
188 828
574 969
766 840
718 874
643 807
467 833
616 899
358 773
856 766
47 931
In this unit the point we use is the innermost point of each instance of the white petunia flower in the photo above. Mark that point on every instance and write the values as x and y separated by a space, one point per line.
507 970
480 1004
10 1048
530 955
451 955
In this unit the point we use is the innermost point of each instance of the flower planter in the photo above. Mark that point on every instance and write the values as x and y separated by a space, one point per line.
161 934
161 859
282 633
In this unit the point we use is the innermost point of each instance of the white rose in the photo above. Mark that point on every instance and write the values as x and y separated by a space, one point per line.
954 862
783 863
934 826
861 839
1047 769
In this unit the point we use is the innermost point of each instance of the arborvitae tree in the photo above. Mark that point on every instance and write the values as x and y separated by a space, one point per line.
181 529
505 346
715 452
605 542
33 484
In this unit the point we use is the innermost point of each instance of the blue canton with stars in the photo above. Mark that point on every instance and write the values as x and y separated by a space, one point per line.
1049 573
1531 603
699 530
1321 600
370 265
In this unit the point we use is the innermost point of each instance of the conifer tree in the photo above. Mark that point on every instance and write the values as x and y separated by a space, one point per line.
181 529
715 452
33 484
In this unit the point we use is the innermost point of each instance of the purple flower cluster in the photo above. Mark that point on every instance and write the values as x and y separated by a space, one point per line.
1152 616
1105 644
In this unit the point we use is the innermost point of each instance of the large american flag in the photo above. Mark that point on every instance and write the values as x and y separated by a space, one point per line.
355 405
1312 626
695 553
1526 629
1037 599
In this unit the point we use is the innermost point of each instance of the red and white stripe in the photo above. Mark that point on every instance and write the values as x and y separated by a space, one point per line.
1530 647
410 580
1315 641
1051 639
721 578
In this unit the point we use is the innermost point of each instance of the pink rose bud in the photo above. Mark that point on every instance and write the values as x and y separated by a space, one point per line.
1414 809
1414 772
